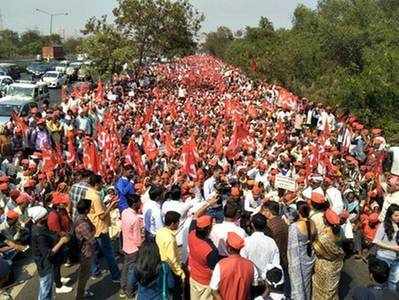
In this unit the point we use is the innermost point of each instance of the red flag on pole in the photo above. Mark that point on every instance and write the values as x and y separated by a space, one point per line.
188 160
219 141
150 148
133 157
170 149
90 156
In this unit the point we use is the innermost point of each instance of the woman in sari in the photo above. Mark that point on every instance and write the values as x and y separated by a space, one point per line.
329 259
301 258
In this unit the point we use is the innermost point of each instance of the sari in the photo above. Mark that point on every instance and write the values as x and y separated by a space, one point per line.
300 265
328 266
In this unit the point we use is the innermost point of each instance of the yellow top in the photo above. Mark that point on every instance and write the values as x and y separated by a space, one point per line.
97 209
166 241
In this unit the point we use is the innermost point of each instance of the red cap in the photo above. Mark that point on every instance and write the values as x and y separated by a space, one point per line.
4 179
3 186
204 221
12 215
23 198
30 183
14 194
235 241
60 198
328 181
332 217
317 198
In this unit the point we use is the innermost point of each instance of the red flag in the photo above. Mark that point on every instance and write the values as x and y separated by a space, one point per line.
148 114
188 160
170 148
90 156
150 148
71 154
252 112
100 91
133 157
240 132
49 161
20 123
219 141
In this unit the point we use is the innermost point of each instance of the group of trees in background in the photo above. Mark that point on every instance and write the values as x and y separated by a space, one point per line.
344 53
30 43
142 30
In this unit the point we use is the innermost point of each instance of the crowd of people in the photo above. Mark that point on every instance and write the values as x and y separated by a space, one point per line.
204 184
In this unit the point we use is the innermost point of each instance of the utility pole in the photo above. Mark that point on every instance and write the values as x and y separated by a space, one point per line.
52 15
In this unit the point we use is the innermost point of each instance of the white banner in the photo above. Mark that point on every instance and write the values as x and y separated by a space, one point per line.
285 182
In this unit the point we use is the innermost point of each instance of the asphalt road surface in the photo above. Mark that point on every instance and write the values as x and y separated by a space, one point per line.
355 273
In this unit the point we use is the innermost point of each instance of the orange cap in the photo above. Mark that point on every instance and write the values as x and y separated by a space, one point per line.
60 198
331 217
204 221
22 198
235 241
317 198
12 215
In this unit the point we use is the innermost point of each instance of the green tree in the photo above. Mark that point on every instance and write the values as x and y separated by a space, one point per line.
217 42
9 41
343 53
159 28
107 47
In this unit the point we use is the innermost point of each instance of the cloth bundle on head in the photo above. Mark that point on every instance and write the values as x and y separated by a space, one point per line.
235 241
37 213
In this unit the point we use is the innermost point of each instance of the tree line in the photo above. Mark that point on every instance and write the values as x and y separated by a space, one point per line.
344 53
30 43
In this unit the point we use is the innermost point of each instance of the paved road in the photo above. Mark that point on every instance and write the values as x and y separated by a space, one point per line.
355 273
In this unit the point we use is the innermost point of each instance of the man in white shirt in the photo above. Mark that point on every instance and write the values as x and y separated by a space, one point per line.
209 184
152 212
259 248
175 204
219 231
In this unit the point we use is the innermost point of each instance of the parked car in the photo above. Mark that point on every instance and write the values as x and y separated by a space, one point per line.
38 70
4 82
27 90
62 66
72 70
20 106
54 79
11 70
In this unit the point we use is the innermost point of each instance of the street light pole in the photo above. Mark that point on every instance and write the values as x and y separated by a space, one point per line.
52 15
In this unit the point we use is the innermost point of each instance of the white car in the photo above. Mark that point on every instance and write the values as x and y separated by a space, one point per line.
62 66
54 79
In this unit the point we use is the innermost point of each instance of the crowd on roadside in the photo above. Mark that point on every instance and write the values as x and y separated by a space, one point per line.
213 186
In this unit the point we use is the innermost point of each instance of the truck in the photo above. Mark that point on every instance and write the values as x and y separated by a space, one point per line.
52 52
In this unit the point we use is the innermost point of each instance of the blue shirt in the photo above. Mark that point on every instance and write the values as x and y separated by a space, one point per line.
123 187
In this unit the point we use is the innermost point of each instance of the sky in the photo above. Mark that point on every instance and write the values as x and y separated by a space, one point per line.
20 15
